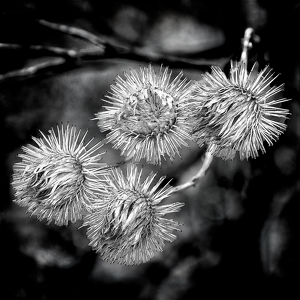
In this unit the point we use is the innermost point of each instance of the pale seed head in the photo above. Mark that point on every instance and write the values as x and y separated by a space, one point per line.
128 227
59 178
240 113
146 116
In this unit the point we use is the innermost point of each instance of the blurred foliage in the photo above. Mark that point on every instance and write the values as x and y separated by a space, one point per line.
241 224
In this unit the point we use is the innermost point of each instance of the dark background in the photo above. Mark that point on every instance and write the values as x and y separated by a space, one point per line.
241 226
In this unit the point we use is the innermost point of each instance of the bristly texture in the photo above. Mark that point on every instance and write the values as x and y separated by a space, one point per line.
128 227
59 178
239 113
147 114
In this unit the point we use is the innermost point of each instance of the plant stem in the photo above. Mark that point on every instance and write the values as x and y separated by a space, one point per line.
200 174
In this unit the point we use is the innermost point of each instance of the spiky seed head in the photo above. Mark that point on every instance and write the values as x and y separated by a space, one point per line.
240 113
60 178
146 116
128 227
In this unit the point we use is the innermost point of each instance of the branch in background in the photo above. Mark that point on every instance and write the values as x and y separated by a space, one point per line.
74 31
199 176
106 50
25 72
66 56
86 56
131 53
57 51
122 51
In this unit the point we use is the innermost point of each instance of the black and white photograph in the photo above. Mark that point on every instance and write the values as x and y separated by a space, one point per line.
149 149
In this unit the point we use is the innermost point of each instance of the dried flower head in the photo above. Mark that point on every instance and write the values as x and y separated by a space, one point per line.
146 116
239 113
128 226
59 178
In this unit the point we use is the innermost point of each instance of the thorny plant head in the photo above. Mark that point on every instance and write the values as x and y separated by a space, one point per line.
147 114
128 226
239 113
59 178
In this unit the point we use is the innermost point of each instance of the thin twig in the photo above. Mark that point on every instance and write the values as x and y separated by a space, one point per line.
53 50
57 51
199 176
74 31
33 69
